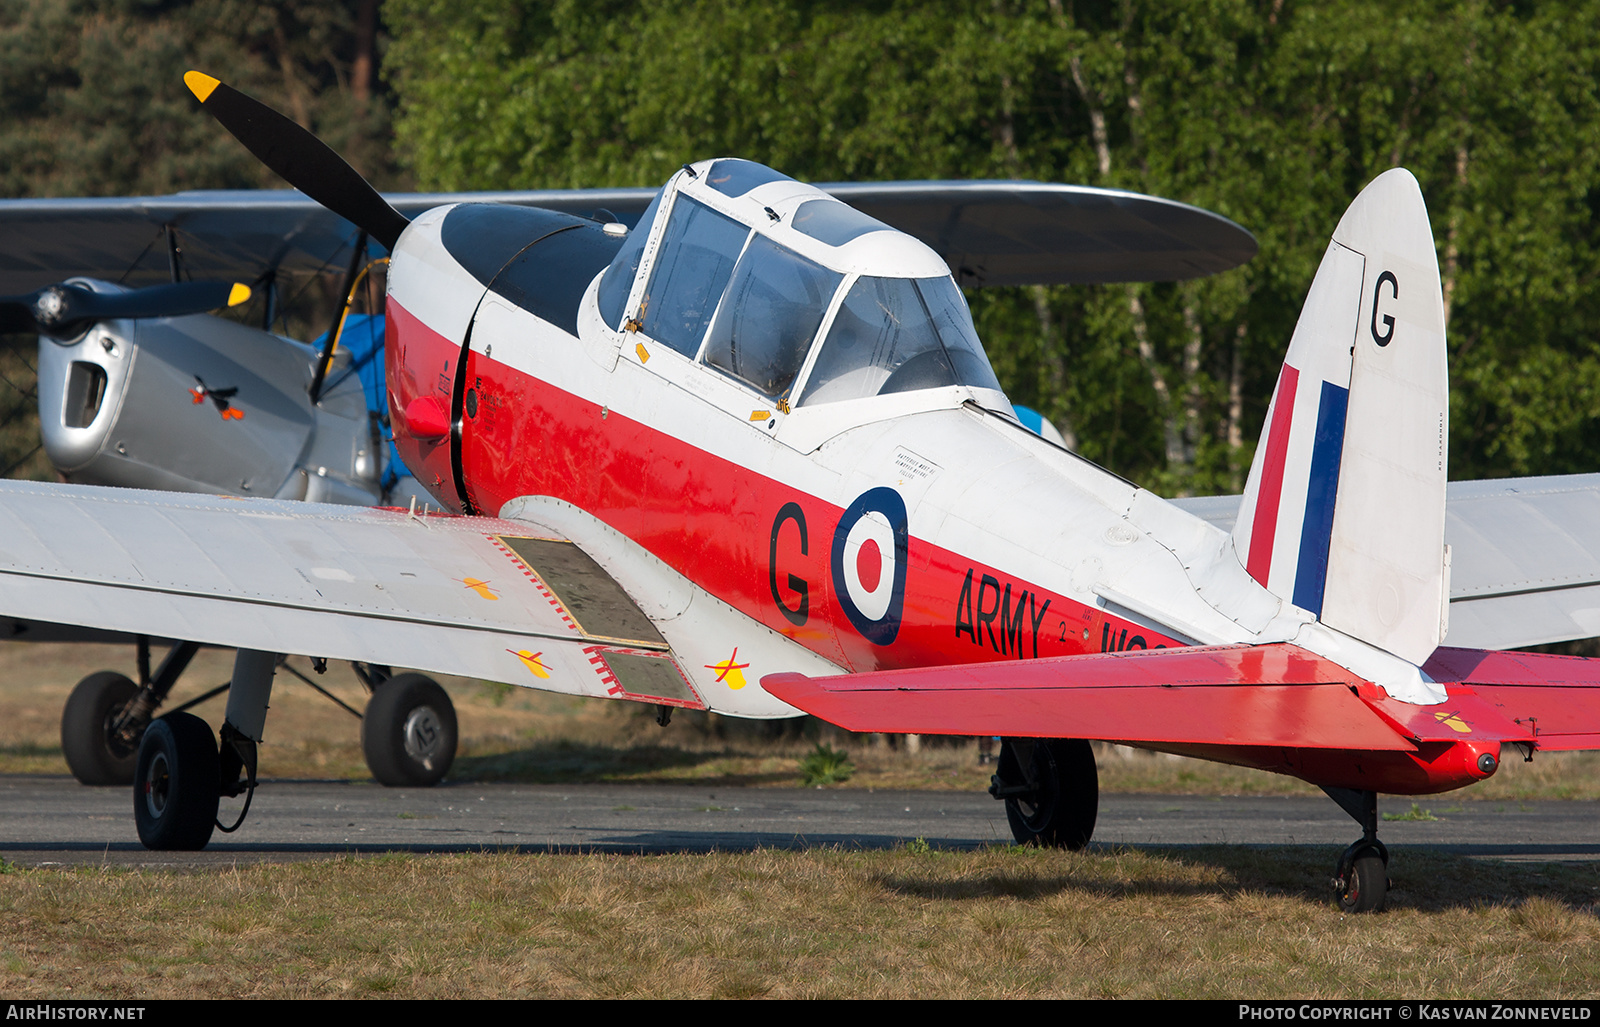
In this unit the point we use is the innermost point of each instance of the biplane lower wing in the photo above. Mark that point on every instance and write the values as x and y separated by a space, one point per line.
1524 563
557 602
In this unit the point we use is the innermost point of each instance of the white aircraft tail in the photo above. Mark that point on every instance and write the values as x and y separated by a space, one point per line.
1343 514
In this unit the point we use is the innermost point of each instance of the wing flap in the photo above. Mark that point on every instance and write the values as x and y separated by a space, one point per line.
1205 695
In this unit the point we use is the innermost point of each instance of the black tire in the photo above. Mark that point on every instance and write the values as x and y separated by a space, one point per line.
94 755
408 732
176 789
1061 812
1366 888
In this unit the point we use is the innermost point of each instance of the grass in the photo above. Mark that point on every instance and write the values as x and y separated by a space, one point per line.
1414 813
907 922
911 921
825 765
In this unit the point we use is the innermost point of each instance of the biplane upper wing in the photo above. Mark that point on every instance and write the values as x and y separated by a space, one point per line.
991 233
558 601
1524 558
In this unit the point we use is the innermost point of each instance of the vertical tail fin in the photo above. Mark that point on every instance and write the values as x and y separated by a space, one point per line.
1343 514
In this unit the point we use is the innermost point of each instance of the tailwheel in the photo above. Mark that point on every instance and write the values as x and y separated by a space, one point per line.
1051 790
408 732
1364 885
175 788
1361 880
96 752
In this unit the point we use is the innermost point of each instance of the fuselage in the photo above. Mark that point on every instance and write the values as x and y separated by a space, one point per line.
878 526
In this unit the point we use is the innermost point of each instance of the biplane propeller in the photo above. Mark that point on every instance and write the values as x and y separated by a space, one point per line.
65 310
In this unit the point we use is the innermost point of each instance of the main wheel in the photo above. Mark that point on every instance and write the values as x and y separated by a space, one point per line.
408 732
94 754
1061 808
1366 887
175 788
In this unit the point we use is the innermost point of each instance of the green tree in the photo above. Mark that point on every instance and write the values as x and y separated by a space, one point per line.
1272 112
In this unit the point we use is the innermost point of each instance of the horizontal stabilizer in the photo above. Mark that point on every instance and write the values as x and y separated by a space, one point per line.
1553 699
1268 695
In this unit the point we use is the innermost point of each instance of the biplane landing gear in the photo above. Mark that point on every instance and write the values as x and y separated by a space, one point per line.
1051 790
1361 880
408 732
97 753
107 714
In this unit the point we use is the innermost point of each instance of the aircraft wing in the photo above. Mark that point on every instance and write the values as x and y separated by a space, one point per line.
991 233
1524 558
1256 696
518 601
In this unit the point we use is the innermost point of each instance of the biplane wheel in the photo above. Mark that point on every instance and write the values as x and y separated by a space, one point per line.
175 788
1366 886
95 755
408 732
1060 811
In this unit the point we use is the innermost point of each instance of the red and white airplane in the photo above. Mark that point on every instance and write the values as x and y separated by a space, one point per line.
750 457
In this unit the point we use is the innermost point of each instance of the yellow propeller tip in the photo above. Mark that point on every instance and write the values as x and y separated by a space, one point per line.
240 292
200 84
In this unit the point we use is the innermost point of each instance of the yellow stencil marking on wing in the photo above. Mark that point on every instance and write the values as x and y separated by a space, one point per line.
238 294
532 662
1453 722
644 354
760 415
200 84
729 672
480 587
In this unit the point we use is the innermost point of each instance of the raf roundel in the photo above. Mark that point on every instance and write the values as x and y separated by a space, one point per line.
869 563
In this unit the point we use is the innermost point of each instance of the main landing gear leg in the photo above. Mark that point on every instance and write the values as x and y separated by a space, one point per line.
1051 789
1361 879
180 774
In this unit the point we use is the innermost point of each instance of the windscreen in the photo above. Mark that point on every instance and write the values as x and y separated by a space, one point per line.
897 335
689 276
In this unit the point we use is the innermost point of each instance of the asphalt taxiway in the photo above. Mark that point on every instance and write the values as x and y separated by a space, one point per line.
50 820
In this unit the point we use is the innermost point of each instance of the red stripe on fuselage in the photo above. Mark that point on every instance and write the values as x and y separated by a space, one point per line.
1264 527
714 521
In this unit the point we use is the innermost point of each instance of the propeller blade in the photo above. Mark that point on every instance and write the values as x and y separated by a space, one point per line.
299 157
172 300
63 309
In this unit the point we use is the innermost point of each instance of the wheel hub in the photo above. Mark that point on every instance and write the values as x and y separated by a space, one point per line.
158 785
423 733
